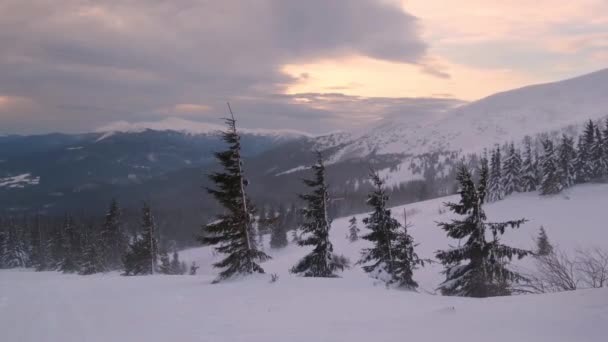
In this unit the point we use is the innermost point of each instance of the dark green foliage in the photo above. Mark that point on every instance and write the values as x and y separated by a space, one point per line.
550 182
142 255
278 228
599 165
511 171
495 189
92 260
233 233
71 246
543 245
529 177
321 262
392 258
479 267
566 156
353 230
113 240
13 251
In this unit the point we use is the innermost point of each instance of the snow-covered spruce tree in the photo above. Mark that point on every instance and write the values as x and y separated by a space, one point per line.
392 258
599 167
495 181
583 164
165 263
72 247
142 254
479 267
14 252
550 182
566 156
406 259
543 246
353 230
529 182
176 265
92 260
321 261
278 226
113 239
233 233
511 171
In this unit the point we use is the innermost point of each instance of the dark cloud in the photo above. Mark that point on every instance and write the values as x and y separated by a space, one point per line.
82 64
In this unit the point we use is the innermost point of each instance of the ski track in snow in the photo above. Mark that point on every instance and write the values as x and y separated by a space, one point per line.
49 306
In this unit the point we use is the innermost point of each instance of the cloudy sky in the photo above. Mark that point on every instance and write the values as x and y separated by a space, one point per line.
314 65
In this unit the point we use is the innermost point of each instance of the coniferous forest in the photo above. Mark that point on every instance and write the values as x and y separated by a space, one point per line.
478 268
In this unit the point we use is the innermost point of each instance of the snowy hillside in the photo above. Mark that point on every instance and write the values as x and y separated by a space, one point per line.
351 308
498 118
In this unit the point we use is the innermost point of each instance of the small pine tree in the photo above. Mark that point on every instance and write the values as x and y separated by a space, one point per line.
278 226
550 182
165 266
113 239
321 262
495 182
511 171
543 245
406 260
353 230
92 260
392 258
71 245
176 265
566 156
599 166
233 232
486 273
529 180
14 250
142 254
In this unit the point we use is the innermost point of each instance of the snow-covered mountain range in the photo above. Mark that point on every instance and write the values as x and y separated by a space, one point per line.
495 119
412 147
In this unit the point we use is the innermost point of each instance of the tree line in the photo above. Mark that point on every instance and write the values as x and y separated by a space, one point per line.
70 246
557 165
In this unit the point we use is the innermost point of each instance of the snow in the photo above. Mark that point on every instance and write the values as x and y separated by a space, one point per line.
295 169
19 181
48 306
188 127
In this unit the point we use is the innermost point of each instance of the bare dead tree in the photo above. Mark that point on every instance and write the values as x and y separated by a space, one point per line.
592 265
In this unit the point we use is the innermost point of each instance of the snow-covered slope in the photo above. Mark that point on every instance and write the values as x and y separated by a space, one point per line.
48 306
498 118
189 127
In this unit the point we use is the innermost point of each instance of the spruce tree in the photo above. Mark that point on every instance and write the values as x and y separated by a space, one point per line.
406 259
321 261
233 233
392 258
529 180
605 144
113 239
278 224
583 164
176 265
543 245
71 245
142 254
91 261
599 167
353 230
495 183
14 250
566 156
550 182
511 171
479 267
165 264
